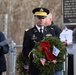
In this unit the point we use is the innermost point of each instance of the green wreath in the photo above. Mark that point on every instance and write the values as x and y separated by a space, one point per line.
49 66
44 58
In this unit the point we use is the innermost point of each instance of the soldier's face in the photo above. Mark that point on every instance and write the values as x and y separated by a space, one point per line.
40 22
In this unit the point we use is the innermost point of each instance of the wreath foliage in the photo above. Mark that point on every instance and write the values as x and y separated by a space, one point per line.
21 62
49 67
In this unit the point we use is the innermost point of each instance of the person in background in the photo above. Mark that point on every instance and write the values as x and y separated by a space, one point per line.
50 24
67 39
3 50
57 30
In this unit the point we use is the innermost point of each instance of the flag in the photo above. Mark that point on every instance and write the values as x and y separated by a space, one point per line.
42 60
55 51
26 66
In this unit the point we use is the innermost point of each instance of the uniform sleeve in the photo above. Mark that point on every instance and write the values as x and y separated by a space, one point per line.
5 48
62 36
58 30
70 38
26 44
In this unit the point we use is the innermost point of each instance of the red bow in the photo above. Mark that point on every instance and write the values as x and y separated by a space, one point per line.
45 47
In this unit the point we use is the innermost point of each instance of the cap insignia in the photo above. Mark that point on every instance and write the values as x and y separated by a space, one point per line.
41 10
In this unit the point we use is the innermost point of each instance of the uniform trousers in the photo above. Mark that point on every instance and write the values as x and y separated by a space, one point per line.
58 73
70 64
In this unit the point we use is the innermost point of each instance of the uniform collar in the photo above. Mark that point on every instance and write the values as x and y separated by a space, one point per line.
66 29
40 28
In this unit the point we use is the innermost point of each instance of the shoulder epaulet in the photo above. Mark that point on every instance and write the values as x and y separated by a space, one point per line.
26 30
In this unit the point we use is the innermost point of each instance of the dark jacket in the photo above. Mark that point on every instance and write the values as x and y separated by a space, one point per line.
3 51
57 29
30 37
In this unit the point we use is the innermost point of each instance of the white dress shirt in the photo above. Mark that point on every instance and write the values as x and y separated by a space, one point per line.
66 34
40 28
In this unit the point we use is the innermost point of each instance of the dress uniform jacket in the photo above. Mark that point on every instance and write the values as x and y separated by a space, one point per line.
30 37
3 51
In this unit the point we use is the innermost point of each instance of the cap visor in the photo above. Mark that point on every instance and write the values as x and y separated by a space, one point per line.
41 17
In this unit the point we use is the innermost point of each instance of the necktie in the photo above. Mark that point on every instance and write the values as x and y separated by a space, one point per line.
41 34
40 30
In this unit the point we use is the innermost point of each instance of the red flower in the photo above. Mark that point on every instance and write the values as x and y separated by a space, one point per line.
45 46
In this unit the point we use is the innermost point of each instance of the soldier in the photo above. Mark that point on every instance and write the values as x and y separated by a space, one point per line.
35 34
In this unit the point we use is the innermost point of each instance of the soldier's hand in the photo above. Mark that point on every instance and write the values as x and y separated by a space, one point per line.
65 42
